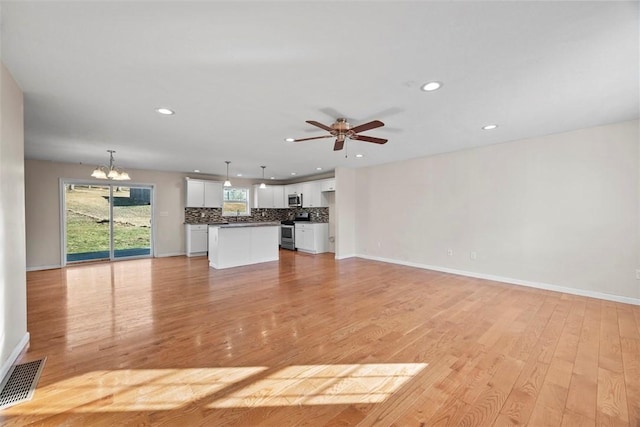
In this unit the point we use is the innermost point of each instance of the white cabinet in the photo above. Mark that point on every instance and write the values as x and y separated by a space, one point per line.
212 194
280 200
292 189
243 245
195 193
262 197
197 239
203 194
328 185
270 197
311 194
313 238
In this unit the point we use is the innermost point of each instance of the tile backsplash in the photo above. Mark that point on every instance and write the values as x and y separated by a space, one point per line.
214 215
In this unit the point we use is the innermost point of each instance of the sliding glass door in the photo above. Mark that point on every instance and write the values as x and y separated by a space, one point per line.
131 212
106 222
87 222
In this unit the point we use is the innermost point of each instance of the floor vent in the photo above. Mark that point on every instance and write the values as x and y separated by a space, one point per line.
20 383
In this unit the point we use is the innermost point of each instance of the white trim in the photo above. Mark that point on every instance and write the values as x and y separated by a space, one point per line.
62 202
170 254
196 254
347 256
511 281
22 345
44 267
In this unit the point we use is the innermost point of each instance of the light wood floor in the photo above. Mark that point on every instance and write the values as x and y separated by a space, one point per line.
314 341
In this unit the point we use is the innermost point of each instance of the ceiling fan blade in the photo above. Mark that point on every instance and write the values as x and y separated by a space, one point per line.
366 126
369 139
320 125
315 137
338 145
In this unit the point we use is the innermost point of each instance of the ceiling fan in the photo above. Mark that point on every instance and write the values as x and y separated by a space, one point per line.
342 130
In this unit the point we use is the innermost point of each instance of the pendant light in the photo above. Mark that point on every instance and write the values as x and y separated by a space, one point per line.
262 184
111 172
227 183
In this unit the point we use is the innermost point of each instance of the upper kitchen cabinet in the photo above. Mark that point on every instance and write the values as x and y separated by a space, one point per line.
292 189
203 194
270 197
328 185
279 197
312 195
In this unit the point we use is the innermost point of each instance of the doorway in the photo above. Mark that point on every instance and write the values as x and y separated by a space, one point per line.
106 222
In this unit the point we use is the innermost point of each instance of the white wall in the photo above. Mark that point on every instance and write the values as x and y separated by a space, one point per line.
331 198
345 211
43 209
13 288
560 210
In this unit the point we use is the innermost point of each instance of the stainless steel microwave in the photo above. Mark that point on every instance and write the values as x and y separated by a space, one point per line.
295 200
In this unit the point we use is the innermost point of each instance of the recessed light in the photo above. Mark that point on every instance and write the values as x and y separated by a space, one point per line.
289 139
359 155
165 111
489 127
197 170
430 86
273 177
239 174
293 173
318 169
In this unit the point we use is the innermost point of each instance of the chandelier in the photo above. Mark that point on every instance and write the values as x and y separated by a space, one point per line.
110 172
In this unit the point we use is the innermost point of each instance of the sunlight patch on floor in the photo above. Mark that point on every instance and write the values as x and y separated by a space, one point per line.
170 389
132 390
323 385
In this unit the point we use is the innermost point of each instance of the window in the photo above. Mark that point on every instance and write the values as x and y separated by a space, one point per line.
236 202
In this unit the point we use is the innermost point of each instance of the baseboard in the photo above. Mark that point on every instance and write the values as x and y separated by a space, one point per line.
196 254
22 345
347 256
511 281
170 254
44 267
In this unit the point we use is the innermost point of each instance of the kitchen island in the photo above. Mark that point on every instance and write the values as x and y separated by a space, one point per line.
243 243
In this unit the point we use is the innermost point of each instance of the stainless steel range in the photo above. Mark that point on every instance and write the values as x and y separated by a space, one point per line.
288 235
288 231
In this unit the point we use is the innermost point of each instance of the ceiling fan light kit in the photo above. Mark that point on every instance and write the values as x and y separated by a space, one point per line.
341 130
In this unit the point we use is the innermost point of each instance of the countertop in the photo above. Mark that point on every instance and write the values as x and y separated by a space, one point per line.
247 224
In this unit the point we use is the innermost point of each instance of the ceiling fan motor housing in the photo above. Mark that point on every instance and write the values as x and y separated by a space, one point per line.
341 125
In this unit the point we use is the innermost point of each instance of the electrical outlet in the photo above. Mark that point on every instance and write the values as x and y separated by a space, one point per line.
473 255
201 214
450 252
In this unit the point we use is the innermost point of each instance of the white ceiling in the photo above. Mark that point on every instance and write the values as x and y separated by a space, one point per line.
242 76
